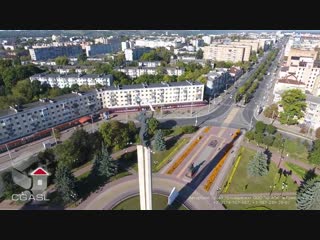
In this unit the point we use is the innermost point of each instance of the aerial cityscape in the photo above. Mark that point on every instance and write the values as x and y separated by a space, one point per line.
159 120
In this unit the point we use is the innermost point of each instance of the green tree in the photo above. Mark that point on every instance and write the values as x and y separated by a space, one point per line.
56 134
104 165
82 58
258 166
133 131
308 195
250 135
253 57
7 186
260 127
258 137
199 54
159 142
268 140
64 153
270 129
115 134
75 87
272 111
62 61
294 103
314 155
153 125
23 90
65 183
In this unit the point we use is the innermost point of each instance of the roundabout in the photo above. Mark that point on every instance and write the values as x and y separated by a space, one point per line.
127 187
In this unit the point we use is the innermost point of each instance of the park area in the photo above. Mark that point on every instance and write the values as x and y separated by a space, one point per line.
242 183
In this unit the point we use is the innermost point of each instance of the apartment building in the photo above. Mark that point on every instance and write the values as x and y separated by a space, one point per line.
253 46
155 43
46 113
135 53
226 53
97 49
67 80
46 53
158 94
218 81
134 72
72 69
312 115
303 64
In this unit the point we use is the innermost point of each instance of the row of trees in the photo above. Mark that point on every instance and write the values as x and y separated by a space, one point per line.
255 78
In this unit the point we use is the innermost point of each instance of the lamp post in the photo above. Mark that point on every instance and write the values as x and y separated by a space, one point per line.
126 115
54 135
196 122
9 152
191 108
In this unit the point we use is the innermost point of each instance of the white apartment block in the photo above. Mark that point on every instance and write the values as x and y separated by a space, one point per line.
132 54
157 43
157 94
254 46
61 81
312 115
207 39
149 64
226 53
45 114
134 72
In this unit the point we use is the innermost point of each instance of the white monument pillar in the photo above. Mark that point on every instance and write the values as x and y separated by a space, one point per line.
145 177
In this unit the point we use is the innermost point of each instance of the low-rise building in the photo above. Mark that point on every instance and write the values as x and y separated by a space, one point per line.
45 114
287 83
235 72
149 64
67 80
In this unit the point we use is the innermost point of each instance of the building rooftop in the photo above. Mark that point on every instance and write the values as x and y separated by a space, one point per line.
290 81
284 69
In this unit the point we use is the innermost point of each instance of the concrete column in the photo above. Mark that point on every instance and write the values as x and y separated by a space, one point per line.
145 177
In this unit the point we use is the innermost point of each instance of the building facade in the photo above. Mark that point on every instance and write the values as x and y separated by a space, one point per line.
45 114
133 54
67 80
312 115
217 81
227 53
97 49
46 53
157 94
134 72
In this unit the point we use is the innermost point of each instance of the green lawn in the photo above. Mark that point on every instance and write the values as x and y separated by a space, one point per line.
160 159
159 202
265 203
299 171
242 183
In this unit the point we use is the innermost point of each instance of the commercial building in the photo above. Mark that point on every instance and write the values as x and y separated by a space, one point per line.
46 53
67 80
45 114
226 53
158 94
134 72
135 53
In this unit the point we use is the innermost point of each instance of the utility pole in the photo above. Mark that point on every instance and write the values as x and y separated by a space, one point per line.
196 122
191 108
126 115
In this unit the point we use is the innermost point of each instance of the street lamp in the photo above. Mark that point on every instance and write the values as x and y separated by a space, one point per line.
9 152
196 122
